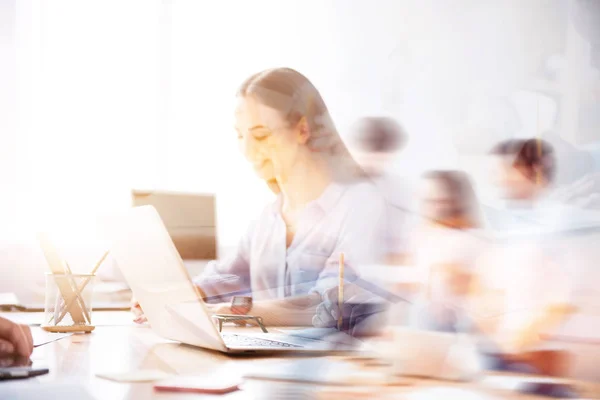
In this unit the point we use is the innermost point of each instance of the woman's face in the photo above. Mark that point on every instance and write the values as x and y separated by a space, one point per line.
511 182
267 140
438 202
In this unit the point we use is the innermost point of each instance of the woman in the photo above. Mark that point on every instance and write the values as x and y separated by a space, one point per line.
289 256
447 247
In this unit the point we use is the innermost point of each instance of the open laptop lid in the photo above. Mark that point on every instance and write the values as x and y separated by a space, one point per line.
151 265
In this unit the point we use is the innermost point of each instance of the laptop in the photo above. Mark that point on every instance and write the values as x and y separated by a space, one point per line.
151 265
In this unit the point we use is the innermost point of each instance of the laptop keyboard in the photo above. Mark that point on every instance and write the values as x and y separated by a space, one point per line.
233 340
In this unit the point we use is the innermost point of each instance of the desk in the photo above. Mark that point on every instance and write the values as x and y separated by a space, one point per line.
77 360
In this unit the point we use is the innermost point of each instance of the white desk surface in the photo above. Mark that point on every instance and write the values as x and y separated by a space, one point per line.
124 347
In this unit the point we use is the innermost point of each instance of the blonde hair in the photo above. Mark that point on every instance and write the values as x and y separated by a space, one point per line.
295 97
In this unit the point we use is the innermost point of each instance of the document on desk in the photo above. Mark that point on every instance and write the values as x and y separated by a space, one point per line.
142 375
41 337
320 371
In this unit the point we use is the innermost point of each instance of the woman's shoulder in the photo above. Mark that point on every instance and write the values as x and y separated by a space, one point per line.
363 191
363 198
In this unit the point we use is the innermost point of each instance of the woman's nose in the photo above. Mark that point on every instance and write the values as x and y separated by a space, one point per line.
247 147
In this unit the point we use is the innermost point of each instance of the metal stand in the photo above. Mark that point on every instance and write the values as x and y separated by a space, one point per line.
233 318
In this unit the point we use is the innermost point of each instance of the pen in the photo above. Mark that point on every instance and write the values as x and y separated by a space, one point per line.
341 292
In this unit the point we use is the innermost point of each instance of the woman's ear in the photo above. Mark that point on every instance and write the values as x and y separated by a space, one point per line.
303 131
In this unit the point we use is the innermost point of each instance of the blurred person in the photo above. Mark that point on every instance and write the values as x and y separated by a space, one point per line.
525 174
289 256
525 170
15 339
376 143
527 264
445 249
449 201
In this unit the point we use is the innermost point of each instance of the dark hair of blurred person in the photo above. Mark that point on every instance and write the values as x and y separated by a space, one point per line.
376 140
449 200
526 167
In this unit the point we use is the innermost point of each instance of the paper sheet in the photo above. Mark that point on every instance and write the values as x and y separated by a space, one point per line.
41 337
142 375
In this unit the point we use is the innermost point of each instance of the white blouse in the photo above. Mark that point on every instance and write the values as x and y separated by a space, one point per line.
345 218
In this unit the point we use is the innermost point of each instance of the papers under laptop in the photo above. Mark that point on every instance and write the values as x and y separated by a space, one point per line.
151 265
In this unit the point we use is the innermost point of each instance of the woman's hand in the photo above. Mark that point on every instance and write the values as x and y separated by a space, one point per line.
15 339
359 304
139 317
219 308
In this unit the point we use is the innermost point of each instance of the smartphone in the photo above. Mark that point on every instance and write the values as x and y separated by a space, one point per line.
16 367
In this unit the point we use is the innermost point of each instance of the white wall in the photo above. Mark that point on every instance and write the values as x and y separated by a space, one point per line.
8 95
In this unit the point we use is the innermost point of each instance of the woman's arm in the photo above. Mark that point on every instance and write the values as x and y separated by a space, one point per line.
362 240
222 280
291 311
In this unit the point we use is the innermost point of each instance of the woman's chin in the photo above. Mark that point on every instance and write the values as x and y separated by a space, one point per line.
265 176
265 173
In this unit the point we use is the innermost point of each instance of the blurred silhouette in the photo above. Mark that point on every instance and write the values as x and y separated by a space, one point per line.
446 248
523 173
528 265
376 143
448 199
525 168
